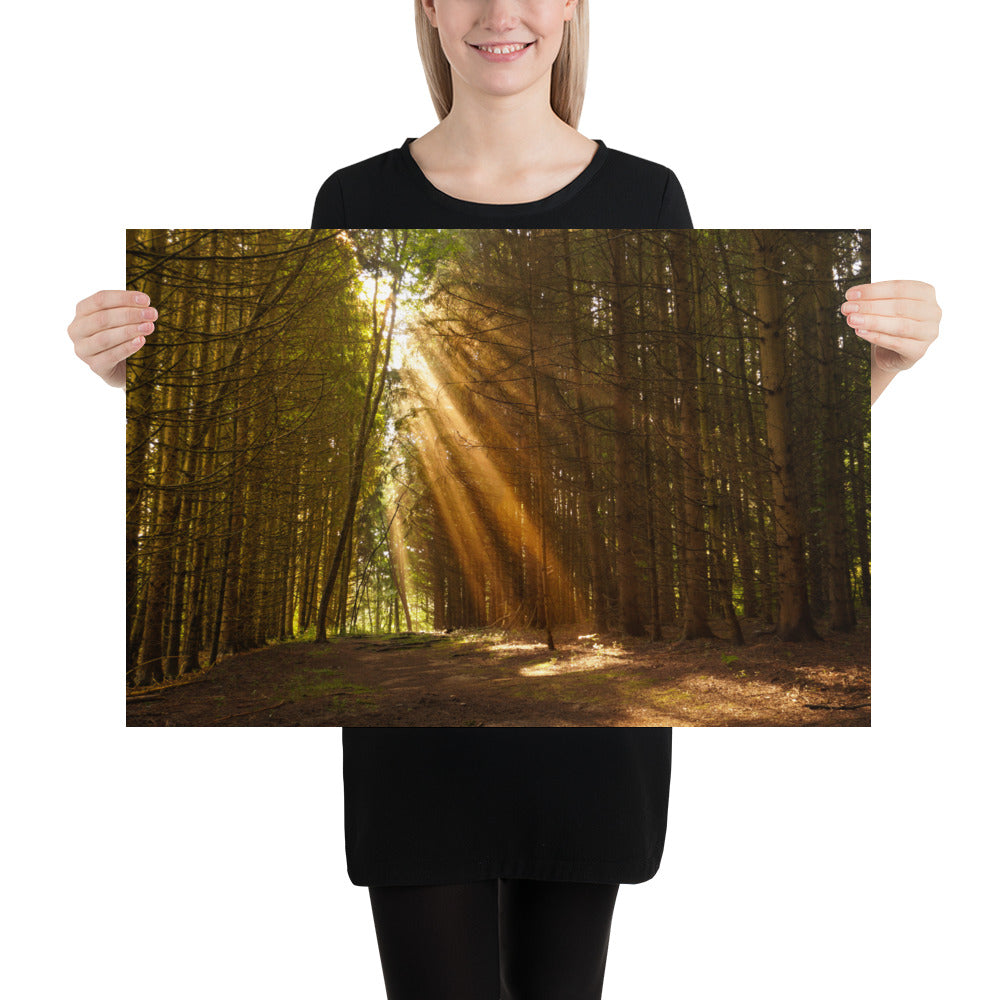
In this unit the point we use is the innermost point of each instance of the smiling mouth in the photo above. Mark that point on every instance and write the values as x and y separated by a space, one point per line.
502 50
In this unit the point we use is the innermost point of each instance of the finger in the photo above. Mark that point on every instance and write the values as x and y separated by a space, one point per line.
96 344
896 326
105 361
892 290
111 300
897 289
110 319
903 346
916 309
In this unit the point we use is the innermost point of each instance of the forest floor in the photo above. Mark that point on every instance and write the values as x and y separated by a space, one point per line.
492 678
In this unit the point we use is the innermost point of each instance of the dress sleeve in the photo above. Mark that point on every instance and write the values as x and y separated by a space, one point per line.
328 211
674 212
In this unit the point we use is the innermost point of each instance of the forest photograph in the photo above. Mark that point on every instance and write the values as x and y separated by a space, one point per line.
498 478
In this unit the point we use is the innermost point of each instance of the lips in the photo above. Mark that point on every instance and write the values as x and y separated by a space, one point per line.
501 52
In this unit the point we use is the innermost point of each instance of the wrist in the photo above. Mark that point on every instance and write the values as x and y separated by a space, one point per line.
881 377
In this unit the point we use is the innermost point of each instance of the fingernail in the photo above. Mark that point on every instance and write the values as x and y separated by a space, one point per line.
850 307
145 328
141 300
854 293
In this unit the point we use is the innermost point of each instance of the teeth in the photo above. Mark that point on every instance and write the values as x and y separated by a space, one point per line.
501 50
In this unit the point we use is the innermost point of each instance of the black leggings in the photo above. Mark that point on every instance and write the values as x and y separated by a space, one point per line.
513 939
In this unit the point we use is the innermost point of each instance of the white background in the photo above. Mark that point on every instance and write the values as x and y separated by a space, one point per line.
209 863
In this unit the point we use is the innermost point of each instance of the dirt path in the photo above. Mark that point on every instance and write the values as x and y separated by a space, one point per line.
500 679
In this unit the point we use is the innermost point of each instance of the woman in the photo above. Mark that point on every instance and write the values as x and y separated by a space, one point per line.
493 857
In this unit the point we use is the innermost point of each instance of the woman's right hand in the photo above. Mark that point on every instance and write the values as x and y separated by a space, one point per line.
108 327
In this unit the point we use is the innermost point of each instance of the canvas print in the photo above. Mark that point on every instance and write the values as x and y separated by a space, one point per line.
498 478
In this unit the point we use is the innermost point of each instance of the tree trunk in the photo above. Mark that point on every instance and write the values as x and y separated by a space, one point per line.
794 619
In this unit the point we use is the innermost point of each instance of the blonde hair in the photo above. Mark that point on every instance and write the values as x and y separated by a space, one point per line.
569 71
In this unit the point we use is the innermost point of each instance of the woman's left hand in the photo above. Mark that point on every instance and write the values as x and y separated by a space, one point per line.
899 319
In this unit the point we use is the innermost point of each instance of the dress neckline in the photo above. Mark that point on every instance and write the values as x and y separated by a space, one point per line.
553 200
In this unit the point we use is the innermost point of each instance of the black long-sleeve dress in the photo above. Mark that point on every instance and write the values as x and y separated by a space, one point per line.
445 805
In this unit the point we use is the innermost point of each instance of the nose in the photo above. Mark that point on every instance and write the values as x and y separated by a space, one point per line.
500 15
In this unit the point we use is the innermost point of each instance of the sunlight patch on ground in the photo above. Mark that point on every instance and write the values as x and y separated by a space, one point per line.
541 670
578 664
